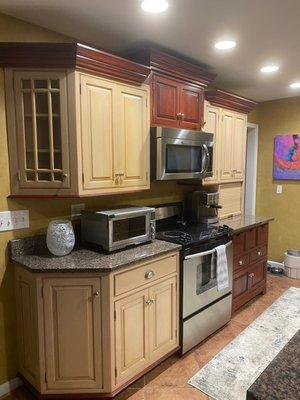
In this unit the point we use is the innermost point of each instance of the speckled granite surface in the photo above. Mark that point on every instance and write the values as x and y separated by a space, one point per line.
32 253
281 379
243 222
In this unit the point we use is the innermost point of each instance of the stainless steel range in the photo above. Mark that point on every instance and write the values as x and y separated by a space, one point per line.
203 308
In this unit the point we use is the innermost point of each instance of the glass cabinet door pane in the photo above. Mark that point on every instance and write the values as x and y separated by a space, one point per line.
27 103
41 103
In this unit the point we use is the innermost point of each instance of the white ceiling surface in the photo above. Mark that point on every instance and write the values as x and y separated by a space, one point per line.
266 31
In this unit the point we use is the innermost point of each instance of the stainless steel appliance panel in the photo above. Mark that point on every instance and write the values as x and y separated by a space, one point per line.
199 280
201 325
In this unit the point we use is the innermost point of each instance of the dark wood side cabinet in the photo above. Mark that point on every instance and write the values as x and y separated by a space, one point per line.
250 250
177 88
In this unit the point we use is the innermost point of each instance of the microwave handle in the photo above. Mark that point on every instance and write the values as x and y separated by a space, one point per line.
205 160
205 253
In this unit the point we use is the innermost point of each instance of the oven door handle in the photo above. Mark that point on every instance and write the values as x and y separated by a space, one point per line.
205 253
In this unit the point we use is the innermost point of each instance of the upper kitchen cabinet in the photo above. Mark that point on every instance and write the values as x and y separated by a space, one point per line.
226 117
177 89
77 118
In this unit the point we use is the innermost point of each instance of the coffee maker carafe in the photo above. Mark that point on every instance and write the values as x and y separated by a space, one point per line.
204 207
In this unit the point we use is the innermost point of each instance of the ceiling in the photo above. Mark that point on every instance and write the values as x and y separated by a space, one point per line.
266 31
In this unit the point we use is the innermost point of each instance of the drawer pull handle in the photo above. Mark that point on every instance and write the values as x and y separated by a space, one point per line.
149 302
241 262
259 253
149 274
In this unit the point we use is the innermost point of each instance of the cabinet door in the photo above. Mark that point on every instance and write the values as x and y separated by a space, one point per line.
239 147
191 106
42 129
257 274
98 123
212 126
165 101
132 137
240 285
131 335
163 318
226 135
72 318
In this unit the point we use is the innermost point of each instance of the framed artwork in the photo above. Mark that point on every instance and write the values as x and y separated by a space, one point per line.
286 157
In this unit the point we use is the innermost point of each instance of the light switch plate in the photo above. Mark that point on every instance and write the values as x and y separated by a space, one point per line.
279 189
76 210
11 220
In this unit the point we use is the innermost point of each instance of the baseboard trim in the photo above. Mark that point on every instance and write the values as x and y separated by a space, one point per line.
9 386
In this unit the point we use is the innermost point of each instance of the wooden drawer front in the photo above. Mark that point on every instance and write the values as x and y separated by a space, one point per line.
238 244
250 239
259 252
129 280
241 262
257 274
262 234
240 284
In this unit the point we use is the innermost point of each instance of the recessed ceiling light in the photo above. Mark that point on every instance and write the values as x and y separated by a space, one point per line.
270 68
155 6
225 44
295 85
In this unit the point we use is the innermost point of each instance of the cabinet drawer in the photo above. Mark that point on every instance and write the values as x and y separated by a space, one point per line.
241 262
250 239
262 234
129 280
259 252
238 244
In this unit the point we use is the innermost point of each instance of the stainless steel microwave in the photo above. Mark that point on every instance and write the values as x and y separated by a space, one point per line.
115 229
181 154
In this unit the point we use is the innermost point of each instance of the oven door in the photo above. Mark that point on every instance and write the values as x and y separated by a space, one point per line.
183 159
200 280
128 229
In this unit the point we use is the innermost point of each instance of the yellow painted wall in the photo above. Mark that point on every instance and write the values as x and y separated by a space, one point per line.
274 118
42 211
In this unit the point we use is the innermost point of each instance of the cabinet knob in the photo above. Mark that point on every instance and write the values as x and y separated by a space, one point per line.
149 274
149 302
241 262
259 253
64 176
251 275
96 294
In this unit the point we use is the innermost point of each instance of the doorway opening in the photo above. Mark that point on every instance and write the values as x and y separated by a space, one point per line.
251 169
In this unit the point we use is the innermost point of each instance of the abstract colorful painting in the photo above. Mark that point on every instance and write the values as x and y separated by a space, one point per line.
287 157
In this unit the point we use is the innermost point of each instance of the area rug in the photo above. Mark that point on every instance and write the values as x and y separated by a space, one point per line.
232 371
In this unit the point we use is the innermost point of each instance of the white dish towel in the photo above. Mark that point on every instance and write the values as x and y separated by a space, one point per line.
222 268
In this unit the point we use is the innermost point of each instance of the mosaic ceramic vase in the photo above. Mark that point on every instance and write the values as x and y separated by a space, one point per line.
60 237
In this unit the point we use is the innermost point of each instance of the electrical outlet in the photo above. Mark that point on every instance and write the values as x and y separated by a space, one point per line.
76 210
11 220
279 189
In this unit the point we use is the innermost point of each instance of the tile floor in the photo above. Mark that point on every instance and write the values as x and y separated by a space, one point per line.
168 381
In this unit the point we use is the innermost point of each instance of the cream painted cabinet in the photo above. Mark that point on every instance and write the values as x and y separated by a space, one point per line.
229 130
132 335
163 318
76 134
72 318
212 125
146 327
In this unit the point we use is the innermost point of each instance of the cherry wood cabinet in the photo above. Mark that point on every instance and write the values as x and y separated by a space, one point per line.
176 104
249 264
94 333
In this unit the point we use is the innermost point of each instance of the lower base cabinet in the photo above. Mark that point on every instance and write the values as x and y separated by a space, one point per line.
89 333
249 265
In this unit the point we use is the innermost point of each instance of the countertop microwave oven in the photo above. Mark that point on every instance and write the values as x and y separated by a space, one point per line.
116 229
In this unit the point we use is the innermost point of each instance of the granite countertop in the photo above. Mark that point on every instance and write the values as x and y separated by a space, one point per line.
243 222
281 379
32 254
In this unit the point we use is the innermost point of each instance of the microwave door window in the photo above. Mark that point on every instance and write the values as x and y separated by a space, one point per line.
181 158
206 274
129 228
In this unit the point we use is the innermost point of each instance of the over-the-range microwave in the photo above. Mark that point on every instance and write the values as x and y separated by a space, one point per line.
181 154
